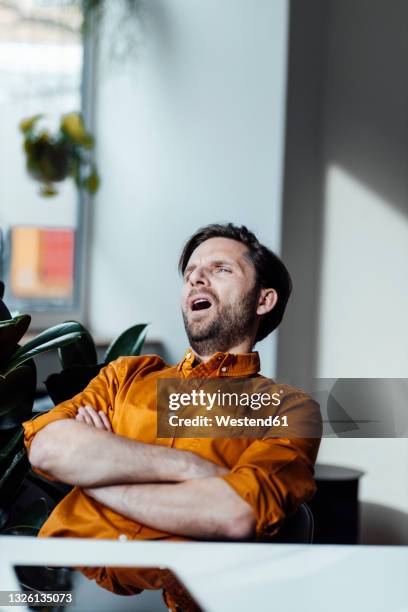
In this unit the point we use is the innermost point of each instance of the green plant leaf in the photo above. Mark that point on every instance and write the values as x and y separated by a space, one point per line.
16 321
11 481
130 342
48 191
26 125
92 182
22 357
72 126
17 392
52 338
64 385
17 460
10 447
14 413
11 331
81 352
19 530
30 521
4 515
53 332
4 311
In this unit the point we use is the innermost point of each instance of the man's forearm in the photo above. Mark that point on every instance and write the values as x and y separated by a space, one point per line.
207 508
85 456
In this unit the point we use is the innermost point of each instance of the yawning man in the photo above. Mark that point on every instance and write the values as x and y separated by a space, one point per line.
130 484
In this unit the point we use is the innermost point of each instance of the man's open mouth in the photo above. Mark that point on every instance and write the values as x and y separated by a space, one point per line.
200 303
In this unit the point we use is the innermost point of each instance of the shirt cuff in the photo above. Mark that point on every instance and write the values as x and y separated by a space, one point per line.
268 515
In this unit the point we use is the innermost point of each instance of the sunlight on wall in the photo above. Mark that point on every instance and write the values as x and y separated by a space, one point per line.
364 295
363 309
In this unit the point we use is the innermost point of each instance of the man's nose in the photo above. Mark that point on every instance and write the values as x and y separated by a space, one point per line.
199 276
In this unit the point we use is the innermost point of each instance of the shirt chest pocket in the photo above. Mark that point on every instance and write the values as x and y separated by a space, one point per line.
137 422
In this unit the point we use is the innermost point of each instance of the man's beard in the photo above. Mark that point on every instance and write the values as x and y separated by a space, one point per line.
232 325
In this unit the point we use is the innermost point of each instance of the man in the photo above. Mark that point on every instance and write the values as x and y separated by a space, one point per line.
130 484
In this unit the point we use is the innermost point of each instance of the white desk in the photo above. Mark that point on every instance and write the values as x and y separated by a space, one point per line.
241 577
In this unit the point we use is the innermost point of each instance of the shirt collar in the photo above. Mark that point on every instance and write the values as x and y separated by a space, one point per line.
221 364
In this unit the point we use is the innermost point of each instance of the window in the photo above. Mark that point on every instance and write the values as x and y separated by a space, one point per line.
42 63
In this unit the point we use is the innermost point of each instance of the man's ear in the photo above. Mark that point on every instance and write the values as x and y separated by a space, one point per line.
266 301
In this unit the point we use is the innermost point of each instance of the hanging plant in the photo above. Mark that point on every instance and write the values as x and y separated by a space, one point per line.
53 157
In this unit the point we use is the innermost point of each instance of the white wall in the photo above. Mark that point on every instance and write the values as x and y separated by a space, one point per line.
364 299
359 234
189 133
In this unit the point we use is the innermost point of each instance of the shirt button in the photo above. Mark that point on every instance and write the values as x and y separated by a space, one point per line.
122 537
188 355
223 369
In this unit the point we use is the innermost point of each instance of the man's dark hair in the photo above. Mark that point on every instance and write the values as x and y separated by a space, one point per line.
269 269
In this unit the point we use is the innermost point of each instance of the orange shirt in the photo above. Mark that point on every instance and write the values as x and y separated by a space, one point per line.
273 475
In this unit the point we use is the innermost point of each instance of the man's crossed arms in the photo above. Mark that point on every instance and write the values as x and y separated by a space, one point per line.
170 490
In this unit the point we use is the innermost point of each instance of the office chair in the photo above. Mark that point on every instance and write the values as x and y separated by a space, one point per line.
297 529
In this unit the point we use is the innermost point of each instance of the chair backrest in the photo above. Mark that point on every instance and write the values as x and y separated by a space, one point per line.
297 529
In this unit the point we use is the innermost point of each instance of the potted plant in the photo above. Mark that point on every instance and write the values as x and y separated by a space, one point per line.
53 157
26 498
17 392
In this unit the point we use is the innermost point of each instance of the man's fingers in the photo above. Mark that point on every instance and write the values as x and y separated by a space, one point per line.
88 415
105 420
95 418
85 416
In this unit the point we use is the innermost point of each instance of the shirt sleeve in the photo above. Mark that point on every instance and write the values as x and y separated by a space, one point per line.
100 394
275 475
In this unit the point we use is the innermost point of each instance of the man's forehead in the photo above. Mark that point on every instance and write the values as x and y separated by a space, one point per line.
219 249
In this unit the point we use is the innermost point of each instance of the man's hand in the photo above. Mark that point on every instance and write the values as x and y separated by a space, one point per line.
89 416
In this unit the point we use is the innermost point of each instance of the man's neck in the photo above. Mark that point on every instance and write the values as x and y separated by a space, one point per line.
242 348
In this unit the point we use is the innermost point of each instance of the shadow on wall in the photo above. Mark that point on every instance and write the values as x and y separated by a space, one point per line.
345 59
364 127
362 407
382 525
